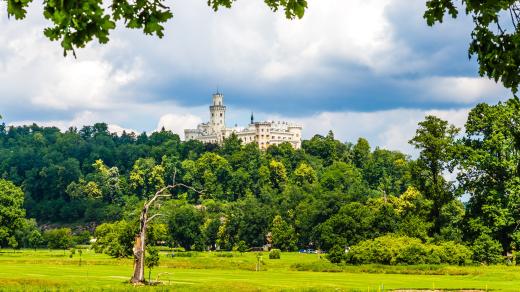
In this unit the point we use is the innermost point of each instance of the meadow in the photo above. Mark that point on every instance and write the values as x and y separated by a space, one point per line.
36 270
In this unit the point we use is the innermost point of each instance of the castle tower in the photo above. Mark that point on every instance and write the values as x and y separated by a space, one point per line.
218 113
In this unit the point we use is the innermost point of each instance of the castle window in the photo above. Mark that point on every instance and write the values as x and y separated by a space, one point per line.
220 114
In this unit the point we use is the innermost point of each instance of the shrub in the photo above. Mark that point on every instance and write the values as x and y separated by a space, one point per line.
336 254
487 250
115 239
241 246
82 238
454 253
274 254
60 238
392 250
151 260
415 253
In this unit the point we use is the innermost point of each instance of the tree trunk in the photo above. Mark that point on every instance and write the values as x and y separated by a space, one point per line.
140 240
139 249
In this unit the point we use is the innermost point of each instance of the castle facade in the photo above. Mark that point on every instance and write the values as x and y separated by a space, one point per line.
264 133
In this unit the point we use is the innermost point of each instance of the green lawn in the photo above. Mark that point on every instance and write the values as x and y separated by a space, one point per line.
54 270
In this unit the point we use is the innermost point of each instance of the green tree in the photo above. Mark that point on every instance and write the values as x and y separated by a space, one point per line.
278 174
146 177
12 212
435 138
76 23
115 239
490 170
241 246
346 178
495 36
60 238
28 234
413 210
361 153
151 260
351 224
211 173
184 224
336 254
451 219
283 234
231 145
35 239
109 181
487 250
325 148
304 174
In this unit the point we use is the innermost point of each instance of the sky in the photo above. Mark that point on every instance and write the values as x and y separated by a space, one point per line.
361 68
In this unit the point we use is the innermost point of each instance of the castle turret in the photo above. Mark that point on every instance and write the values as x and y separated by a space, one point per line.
218 113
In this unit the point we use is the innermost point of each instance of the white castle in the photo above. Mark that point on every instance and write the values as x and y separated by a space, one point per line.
263 133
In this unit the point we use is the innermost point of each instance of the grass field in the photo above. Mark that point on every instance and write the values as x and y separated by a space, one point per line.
54 270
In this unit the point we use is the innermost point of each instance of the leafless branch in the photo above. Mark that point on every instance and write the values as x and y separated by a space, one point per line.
153 216
159 194
174 175
499 27
190 188
514 12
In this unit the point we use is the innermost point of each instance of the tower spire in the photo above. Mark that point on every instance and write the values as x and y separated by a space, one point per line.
252 118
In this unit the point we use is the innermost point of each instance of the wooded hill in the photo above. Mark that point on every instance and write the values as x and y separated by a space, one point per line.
327 194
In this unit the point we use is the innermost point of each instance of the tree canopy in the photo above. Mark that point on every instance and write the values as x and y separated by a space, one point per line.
495 36
75 23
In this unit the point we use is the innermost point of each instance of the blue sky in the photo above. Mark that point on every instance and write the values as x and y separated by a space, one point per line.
368 68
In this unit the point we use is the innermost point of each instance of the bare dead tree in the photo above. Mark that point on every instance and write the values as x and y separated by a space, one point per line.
140 239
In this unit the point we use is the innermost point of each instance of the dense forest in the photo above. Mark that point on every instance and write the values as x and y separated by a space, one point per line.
328 195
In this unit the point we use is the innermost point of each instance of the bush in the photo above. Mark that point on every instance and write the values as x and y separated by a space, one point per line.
151 260
241 246
115 239
393 250
454 253
336 254
82 238
60 238
415 253
274 254
487 250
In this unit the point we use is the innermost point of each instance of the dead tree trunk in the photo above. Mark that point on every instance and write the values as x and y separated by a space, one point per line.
140 239
139 248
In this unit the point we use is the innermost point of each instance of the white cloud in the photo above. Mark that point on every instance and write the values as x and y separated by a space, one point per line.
248 48
456 89
112 128
90 84
390 129
249 45
81 119
178 122
33 71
